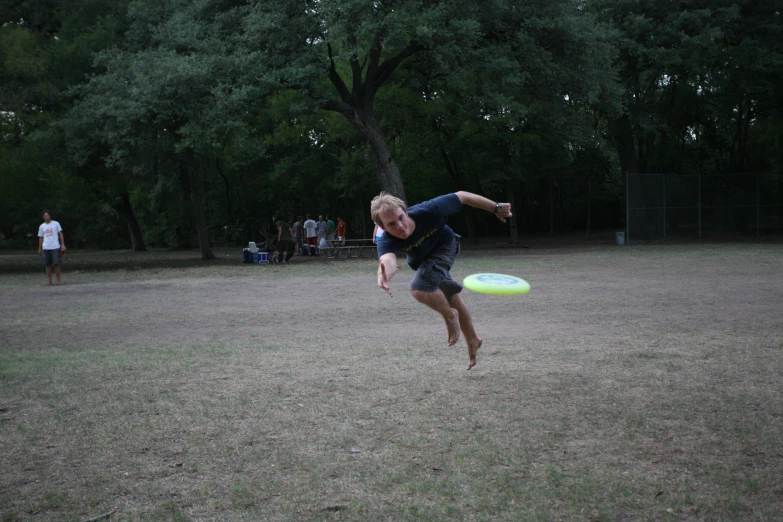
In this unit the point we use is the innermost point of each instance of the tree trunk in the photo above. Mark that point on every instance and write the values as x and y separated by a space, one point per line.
511 196
743 123
363 216
197 196
524 220
589 209
470 224
510 192
228 193
181 239
467 212
622 138
383 162
125 210
551 187
356 104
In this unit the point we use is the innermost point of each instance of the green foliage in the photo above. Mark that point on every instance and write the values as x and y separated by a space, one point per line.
700 80
103 103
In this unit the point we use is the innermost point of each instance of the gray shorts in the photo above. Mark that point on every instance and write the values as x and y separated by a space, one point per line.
435 272
50 257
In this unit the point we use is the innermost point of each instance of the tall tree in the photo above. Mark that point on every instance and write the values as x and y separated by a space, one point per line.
509 109
46 48
366 43
699 71
180 82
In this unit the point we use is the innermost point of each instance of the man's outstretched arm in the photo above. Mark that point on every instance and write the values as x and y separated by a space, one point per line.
501 210
386 270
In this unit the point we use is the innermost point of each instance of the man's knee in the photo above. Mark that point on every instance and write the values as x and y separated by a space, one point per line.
420 295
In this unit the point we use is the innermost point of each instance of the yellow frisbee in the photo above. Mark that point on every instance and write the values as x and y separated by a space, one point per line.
498 284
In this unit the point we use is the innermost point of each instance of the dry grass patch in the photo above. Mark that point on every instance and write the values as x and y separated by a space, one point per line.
630 384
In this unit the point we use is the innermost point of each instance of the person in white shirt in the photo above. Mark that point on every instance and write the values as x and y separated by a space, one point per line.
321 225
311 236
51 244
377 234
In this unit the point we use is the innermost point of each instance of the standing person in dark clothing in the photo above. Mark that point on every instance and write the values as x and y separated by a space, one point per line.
298 230
284 249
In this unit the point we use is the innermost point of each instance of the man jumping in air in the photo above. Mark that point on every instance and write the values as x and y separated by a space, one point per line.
431 246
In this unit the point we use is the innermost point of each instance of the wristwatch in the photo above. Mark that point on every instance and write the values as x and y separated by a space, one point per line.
498 206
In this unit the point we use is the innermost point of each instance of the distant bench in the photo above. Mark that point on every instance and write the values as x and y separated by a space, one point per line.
348 248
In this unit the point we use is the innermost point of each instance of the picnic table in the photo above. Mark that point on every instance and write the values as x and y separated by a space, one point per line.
351 248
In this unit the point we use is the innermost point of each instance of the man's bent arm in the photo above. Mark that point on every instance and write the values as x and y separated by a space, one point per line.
389 262
387 267
474 200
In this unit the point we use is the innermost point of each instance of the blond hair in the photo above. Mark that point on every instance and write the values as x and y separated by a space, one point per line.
384 202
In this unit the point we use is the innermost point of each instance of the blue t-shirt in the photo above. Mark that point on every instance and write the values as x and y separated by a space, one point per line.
431 230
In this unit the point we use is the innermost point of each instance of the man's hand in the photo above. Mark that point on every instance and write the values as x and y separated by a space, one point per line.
504 212
383 280
40 252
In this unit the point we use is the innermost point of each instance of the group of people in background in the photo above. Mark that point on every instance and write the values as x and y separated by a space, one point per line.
304 237
308 237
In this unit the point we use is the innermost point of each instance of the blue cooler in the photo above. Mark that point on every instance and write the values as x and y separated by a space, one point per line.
262 258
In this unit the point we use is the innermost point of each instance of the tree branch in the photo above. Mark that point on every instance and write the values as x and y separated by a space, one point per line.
451 169
337 106
387 68
335 78
356 69
374 57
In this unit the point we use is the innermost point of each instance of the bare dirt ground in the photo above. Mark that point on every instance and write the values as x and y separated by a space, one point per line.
638 383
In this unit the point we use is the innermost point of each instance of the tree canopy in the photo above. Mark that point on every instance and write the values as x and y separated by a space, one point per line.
179 123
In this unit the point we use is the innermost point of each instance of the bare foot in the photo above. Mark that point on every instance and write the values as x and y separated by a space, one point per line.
452 325
473 348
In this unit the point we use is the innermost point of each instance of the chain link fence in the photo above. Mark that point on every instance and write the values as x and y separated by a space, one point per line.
675 206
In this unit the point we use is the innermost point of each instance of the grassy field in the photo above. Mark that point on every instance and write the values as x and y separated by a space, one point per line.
632 383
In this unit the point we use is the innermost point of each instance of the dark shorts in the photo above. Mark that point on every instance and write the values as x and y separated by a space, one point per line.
285 245
50 257
435 272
